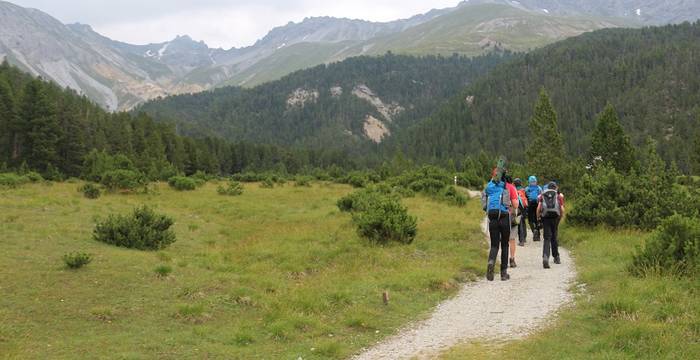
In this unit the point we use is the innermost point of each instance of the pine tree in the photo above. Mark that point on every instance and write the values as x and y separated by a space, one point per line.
7 120
695 155
610 144
545 153
40 127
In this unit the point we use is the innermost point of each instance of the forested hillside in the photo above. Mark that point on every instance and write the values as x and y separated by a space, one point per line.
55 132
649 75
352 102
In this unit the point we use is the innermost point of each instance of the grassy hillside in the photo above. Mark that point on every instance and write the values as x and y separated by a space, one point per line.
474 29
469 30
274 273
616 315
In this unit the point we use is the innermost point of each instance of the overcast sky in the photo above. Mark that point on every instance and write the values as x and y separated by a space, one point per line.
220 23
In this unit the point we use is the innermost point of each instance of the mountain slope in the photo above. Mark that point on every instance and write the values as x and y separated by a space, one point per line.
357 101
649 75
118 75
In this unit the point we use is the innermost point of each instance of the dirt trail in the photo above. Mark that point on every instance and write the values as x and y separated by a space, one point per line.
487 311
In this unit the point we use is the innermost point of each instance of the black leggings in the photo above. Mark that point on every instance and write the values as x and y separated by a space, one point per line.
499 230
532 217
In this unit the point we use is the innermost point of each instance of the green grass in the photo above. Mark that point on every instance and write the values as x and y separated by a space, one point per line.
615 316
275 274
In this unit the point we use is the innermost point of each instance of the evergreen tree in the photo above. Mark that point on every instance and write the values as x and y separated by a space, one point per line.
40 127
7 120
695 154
610 144
545 153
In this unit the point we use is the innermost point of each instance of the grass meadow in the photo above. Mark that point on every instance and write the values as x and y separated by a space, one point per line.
272 274
615 315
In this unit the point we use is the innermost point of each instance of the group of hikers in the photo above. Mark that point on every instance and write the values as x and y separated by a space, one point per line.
509 204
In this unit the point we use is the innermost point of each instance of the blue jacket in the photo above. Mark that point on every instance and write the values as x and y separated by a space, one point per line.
494 193
533 193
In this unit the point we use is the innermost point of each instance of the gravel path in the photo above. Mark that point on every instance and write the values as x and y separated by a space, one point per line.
489 311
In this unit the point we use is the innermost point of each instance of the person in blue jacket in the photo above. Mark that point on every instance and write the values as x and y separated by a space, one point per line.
533 192
498 205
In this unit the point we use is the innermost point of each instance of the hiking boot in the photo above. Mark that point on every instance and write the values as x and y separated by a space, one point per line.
489 272
536 236
545 264
522 243
513 264
557 260
504 275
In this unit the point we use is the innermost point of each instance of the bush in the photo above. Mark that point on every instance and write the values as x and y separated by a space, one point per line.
90 191
384 219
379 215
163 270
454 197
34 177
143 230
233 188
181 183
610 198
76 260
12 180
125 180
267 183
303 181
674 248
358 180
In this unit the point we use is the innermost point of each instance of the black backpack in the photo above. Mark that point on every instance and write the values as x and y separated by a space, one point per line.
550 204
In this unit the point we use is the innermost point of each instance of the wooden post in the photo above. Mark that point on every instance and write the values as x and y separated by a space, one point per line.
385 297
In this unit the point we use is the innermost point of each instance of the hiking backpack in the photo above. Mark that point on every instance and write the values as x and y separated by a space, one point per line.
551 207
494 202
532 193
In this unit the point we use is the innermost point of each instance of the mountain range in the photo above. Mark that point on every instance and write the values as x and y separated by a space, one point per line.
119 76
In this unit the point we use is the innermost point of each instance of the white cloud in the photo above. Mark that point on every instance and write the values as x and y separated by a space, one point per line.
219 23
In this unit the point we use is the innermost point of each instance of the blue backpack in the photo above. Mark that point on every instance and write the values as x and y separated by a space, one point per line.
496 201
533 193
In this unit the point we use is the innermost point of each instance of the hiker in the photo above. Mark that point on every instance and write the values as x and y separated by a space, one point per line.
523 209
497 203
533 192
514 219
551 211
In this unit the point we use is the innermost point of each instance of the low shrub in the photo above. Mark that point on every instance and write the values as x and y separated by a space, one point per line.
384 219
76 260
124 180
143 229
427 186
163 270
182 183
34 177
303 181
12 180
379 215
233 188
90 191
453 196
267 183
358 180
674 248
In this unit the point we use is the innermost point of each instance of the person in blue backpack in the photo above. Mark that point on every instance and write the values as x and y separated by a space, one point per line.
498 205
533 192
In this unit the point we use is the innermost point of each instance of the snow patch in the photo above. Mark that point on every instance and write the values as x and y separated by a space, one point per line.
388 111
638 12
375 129
546 11
281 46
300 97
